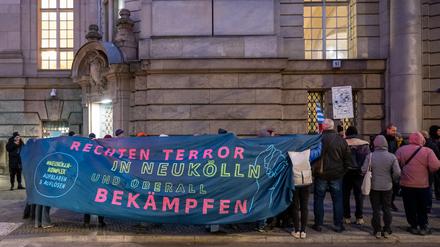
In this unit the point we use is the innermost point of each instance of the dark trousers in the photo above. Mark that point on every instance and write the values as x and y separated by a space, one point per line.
335 188
381 201
300 204
437 185
87 219
353 181
415 201
396 189
15 172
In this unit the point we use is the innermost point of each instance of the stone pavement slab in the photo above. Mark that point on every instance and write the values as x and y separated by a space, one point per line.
69 228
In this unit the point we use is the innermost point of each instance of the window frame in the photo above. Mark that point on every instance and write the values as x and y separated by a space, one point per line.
323 4
57 49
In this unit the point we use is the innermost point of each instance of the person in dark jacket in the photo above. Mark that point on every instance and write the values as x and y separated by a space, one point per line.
14 146
353 178
390 134
434 139
329 172
433 146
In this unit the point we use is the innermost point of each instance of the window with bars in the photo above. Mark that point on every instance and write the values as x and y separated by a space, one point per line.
313 100
56 34
326 27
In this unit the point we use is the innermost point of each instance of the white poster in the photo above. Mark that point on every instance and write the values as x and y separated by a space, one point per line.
342 102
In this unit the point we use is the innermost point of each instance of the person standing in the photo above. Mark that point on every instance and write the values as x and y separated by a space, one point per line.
353 178
390 134
329 172
14 146
416 162
434 140
385 169
119 133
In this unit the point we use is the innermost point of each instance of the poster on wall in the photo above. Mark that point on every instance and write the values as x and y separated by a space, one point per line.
342 98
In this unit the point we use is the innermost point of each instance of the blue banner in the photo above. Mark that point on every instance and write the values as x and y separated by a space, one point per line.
208 179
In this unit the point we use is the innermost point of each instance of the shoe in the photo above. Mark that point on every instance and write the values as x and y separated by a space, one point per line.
413 230
386 234
21 187
360 221
339 229
48 226
425 231
260 230
347 221
303 235
296 235
394 208
317 228
378 235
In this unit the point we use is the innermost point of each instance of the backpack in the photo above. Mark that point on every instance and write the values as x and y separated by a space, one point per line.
357 159
301 169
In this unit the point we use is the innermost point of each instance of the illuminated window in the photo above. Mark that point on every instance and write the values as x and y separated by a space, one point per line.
326 29
56 34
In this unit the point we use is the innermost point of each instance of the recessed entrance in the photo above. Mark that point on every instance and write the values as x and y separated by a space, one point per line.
101 118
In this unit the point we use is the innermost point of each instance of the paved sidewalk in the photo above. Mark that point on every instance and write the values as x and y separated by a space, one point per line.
68 228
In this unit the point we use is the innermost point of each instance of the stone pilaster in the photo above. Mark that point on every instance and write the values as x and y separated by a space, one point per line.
405 68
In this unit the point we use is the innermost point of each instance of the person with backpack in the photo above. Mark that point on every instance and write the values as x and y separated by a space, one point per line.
353 178
416 162
302 179
384 170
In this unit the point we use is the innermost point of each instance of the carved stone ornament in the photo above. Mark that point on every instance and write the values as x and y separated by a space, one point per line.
98 69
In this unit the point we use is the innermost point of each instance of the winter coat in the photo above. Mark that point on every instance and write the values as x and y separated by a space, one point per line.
359 150
384 166
336 156
14 153
415 174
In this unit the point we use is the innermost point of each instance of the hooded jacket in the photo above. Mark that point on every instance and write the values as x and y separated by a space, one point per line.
415 174
392 142
384 166
336 156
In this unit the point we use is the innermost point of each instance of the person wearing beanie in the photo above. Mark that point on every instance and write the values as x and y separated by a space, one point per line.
353 178
119 132
13 147
71 133
222 131
92 136
385 169
141 134
416 162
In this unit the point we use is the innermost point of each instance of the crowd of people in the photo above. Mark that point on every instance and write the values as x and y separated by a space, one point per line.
398 168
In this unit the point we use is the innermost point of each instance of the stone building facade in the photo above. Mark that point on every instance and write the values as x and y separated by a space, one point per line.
193 66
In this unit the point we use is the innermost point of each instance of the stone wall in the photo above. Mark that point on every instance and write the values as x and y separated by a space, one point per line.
431 62
25 103
246 95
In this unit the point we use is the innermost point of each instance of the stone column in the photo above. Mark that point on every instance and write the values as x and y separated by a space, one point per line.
405 66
